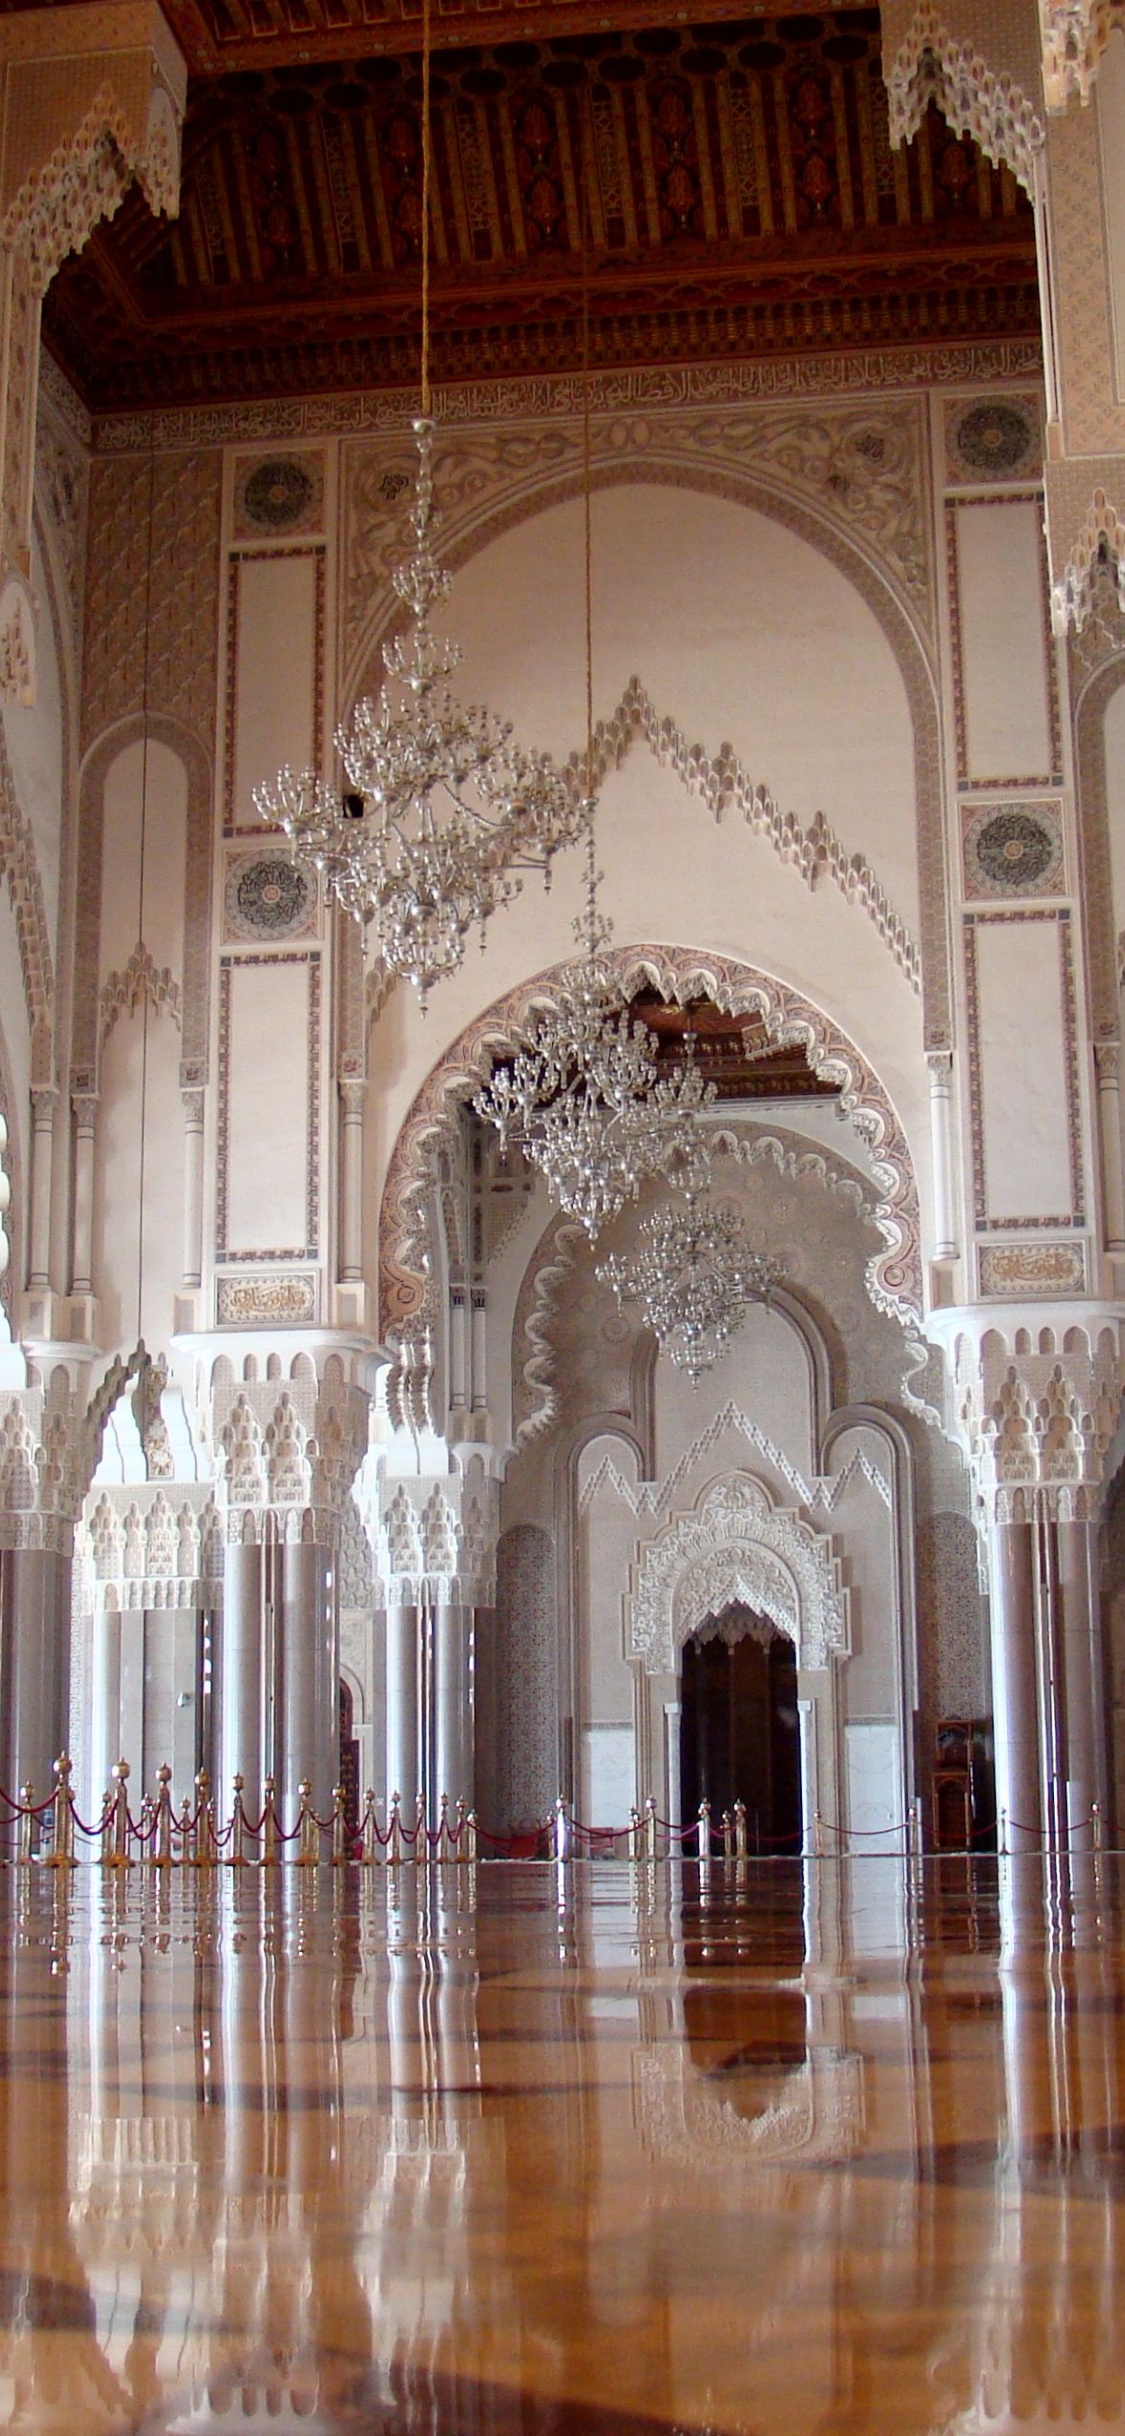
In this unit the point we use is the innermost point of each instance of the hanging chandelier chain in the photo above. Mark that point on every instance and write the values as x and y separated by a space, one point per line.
427 171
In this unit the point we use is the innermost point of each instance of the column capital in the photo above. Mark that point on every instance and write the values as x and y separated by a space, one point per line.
1036 1396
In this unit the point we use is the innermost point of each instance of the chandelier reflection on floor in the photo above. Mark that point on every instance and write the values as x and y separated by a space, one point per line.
692 1278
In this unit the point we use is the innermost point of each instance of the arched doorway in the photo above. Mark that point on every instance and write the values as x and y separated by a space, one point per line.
349 1755
739 1728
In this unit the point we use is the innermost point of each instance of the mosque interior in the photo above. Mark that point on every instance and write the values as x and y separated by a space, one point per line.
561 1628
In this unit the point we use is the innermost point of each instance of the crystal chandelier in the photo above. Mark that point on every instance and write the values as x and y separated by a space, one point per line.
443 807
583 1097
692 1277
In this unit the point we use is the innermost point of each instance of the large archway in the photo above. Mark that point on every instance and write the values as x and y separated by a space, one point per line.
739 1727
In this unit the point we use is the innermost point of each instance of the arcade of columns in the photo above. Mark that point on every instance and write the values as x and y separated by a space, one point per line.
259 1436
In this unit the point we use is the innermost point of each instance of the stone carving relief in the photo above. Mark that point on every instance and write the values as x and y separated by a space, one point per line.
133 1552
130 128
274 1300
725 786
894 1275
138 984
431 1538
736 1546
860 464
1095 551
979 66
1037 1419
284 1452
1075 34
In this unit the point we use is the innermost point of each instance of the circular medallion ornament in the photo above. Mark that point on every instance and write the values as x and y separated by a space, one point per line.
1015 852
279 494
268 898
994 438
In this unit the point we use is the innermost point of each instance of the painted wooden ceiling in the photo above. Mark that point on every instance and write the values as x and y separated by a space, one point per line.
736 180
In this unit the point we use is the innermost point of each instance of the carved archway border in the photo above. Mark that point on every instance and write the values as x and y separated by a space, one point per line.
894 1276
1103 951
465 535
735 1544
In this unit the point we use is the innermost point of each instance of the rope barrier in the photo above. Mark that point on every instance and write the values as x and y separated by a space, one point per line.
157 1837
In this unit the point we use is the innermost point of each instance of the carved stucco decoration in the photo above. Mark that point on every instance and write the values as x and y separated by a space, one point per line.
78 129
861 465
680 975
19 868
981 67
1075 34
1085 539
737 1547
1037 1417
536 1399
137 984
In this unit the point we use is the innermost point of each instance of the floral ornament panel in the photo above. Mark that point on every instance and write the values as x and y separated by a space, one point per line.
1013 850
278 495
269 896
993 440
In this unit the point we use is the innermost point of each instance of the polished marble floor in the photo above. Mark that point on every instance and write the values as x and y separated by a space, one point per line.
597 2151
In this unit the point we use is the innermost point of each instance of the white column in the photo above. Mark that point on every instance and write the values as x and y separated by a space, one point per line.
673 1712
193 1187
310 1674
479 1348
36 1669
458 1351
239 1736
1107 1062
85 1108
940 1064
352 1095
401 1628
39 1235
105 1714
453 1739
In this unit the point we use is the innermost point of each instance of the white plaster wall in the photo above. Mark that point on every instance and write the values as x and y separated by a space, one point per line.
132 1077
740 631
155 785
764 1374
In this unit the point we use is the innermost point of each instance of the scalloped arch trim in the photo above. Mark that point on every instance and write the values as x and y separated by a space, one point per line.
894 1277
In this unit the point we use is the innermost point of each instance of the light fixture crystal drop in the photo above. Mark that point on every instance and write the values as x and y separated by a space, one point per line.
692 1277
443 808
583 1097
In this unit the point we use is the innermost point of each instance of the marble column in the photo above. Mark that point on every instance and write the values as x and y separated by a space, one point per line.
1083 1677
401 1629
35 1624
453 1721
940 1065
105 1706
352 1095
1015 1706
309 1738
85 1108
39 1228
240 1723
193 1187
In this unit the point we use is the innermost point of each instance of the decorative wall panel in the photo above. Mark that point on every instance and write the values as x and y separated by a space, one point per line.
1023 1070
269 1104
280 1300
526 1661
991 440
274 673
1012 1270
1005 690
278 496
1012 850
268 897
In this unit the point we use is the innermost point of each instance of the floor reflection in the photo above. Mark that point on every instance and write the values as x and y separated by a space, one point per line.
593 2150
